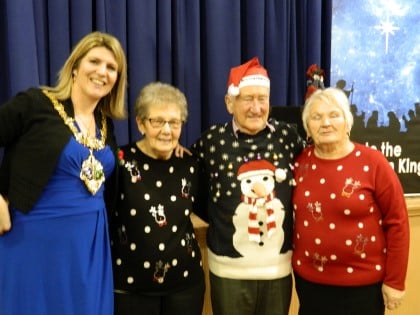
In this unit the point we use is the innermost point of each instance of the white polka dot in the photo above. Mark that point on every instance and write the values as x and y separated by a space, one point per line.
340 168
358 153
373 238
333 196
347 211
349 242
147 229
378 267
313 166
174 262
146 166
146 197
185 273
332 226
183 242
146 265
158 183
298 236
130 280
171 169
133 212
173 198
363 255
306 253
362 197
161 247
320 268
174 228
366 168
322 181
133 246
186 212
349 269
193 253
371 209
298 262
192 170
333 257
118 262
300 179
317 241
307 193
360 225
305 223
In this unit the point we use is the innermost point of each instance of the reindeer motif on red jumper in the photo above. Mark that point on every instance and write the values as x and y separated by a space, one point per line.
316 211
361 243
349 187
319 262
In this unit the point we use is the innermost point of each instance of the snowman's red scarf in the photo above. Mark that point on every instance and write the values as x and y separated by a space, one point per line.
253 227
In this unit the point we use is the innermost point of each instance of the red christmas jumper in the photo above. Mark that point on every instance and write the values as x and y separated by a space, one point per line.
351 223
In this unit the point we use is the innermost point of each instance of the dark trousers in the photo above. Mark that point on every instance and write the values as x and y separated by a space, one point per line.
322 299
185 302
250 297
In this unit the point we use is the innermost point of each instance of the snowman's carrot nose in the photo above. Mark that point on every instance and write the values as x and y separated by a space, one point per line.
259 189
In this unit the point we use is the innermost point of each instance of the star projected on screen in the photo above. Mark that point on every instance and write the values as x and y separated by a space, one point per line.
376 51
387 28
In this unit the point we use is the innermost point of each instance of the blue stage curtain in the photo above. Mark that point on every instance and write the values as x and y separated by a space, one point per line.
190 44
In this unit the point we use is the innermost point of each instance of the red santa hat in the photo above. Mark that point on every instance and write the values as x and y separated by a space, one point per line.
260 167
249 73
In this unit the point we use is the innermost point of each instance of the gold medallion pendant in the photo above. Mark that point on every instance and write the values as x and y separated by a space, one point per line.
92 173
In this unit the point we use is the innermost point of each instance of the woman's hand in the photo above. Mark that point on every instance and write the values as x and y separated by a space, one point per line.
392 297
5 223
179 151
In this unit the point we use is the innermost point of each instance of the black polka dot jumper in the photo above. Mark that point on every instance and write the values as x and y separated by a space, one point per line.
154 246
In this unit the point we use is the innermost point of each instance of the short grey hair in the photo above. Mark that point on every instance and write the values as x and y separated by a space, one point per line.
330 96
159 93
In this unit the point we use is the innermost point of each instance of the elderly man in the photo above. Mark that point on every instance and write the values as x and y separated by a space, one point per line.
246 165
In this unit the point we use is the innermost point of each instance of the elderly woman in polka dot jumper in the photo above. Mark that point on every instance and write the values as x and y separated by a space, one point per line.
157 261
351 236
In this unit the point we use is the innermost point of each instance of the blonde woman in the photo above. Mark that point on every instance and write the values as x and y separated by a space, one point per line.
59 144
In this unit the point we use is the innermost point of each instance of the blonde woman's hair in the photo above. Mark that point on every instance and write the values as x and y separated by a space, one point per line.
113 104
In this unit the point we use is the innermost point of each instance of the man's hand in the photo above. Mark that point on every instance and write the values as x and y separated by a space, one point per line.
179 151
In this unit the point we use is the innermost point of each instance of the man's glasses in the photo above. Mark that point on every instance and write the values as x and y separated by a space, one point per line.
159 123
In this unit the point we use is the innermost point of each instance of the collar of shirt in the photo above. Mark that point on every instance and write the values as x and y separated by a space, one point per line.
236 129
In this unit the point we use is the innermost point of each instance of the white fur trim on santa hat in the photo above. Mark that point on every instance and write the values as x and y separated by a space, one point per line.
248 174
249 80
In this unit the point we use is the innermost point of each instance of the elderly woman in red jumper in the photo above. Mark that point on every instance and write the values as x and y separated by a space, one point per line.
351 236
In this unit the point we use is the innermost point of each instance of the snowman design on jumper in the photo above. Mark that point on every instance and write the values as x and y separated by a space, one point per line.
259 216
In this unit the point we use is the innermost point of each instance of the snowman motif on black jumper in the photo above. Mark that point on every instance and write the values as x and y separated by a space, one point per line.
259 217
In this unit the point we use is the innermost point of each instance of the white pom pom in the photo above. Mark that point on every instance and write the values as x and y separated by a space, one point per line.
280 175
